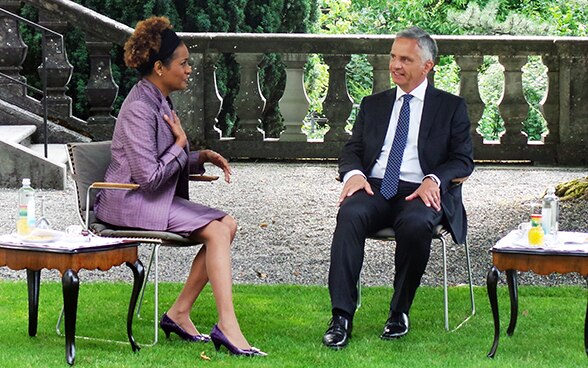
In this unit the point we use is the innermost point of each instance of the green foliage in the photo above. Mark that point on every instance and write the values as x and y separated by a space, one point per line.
491 86
487 20
447 74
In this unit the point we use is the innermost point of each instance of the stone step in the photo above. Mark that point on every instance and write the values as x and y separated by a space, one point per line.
17 133
56 152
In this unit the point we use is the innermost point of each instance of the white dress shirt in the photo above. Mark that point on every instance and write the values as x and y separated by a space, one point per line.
410 169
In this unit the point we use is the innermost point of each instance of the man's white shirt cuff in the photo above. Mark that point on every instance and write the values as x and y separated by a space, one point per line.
351 173
434 178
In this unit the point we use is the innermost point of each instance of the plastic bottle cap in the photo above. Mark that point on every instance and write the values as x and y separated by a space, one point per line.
26 181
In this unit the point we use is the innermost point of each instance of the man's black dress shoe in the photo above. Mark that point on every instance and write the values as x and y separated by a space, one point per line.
338 333
396 326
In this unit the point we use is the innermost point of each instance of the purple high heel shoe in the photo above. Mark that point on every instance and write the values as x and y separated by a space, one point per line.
168 326
219 339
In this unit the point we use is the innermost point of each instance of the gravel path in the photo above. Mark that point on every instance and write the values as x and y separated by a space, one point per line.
286 214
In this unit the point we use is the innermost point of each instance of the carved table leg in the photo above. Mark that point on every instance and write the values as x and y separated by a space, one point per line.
33 284
511 278
138 276
491 281
71 287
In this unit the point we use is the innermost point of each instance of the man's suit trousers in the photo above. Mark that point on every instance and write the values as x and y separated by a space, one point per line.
362 215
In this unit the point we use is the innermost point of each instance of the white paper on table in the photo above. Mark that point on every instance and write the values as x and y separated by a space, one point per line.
60 240
573 242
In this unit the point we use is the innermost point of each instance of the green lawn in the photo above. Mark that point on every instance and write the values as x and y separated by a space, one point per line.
288 322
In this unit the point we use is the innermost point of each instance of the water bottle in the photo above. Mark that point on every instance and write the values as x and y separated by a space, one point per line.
25 222
550 214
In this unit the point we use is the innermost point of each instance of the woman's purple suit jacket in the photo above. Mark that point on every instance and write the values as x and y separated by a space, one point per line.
144 153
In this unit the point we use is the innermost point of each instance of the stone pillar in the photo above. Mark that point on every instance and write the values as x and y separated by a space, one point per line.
338 104
13 52
551 104
59 70
468 89
381 72
573 94
101 90
212 99
513 107
294 103
249 101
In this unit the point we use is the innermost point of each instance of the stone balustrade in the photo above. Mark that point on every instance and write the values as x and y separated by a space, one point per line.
565 107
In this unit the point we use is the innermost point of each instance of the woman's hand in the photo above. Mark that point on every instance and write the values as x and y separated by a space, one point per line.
177 130
217 160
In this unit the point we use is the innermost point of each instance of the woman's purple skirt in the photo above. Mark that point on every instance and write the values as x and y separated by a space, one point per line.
186 216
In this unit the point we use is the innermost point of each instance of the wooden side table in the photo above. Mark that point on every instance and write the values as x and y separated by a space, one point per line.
543 261
68 259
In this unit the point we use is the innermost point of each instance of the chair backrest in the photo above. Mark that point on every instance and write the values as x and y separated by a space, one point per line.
88 163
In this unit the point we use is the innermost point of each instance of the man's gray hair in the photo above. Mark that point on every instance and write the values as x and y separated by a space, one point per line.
427 44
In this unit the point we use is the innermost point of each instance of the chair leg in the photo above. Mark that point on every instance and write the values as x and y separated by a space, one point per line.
154 260
358 304
470 281
156 296
445 298
145 283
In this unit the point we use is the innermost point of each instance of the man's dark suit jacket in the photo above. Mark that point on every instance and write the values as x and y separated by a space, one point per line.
444 145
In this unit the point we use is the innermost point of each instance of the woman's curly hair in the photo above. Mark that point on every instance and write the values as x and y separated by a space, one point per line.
145 40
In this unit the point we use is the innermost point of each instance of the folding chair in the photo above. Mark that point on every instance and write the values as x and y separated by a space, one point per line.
88 163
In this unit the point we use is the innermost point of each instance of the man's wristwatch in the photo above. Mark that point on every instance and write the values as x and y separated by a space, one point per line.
434 178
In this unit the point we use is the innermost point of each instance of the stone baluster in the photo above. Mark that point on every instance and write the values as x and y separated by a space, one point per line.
551 105
294 103
381 72
59 70
13 52
337 104
101 90
249 101
513 107
212 99
468 89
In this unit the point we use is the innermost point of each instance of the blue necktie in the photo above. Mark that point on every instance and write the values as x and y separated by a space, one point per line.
391 176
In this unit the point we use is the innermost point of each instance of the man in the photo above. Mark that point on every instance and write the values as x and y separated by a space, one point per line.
407 145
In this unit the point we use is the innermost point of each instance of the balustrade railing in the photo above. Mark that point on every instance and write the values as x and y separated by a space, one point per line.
564 107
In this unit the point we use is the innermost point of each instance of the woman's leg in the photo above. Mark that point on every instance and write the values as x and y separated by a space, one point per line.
217 237
197 279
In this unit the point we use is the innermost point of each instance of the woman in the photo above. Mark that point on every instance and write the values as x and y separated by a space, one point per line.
150 148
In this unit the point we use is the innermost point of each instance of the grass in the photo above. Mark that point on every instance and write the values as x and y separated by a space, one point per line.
288 322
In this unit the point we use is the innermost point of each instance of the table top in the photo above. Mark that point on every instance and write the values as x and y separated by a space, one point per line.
567 244
65 243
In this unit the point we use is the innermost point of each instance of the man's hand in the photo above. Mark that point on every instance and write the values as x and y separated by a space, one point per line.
429 193
354 184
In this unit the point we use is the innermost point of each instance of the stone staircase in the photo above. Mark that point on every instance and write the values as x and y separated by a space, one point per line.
20 158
